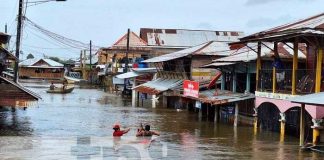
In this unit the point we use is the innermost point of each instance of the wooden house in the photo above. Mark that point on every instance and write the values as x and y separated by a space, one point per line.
41 68
273 103
12 94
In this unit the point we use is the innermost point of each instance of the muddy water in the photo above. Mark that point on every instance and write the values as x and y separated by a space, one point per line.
79 126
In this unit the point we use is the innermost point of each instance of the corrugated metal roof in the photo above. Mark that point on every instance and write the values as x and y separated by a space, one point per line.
137 72
134 41
207 48
159 85
246 54
10 55
313 99
33 61
131 74
31 93
222 96
218 64
185 38
314 22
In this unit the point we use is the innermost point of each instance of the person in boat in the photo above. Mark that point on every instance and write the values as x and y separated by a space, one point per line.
118 132
147 132
65 82
52 86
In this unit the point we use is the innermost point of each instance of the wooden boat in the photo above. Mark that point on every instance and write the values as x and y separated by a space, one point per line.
68 89
72 80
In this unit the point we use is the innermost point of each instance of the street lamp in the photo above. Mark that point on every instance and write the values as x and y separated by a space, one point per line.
19 30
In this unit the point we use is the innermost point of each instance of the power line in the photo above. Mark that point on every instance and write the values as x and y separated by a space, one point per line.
61 39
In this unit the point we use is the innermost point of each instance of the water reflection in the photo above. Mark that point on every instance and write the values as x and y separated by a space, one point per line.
61 119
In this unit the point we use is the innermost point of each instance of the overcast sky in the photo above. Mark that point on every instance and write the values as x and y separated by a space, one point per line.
104 21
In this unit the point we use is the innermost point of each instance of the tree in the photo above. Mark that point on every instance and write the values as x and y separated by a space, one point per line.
55 59
30 56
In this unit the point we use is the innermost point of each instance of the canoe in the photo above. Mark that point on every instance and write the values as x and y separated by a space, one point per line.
60 90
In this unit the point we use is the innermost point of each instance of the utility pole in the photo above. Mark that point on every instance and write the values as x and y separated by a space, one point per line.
18 38
90 62
126 62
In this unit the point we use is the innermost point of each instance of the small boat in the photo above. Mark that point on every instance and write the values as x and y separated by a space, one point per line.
72 80
68 89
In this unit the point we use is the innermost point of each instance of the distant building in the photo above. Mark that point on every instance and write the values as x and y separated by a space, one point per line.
164 41
41 68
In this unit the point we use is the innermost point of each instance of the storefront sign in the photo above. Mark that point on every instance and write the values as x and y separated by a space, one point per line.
191 88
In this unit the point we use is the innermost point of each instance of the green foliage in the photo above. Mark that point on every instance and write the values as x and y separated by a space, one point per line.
30 56
69 61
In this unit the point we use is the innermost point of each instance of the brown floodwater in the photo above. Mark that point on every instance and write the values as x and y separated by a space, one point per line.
79 126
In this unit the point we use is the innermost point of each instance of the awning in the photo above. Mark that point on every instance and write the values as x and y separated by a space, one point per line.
136 73
221 97
218 64
131 74
158 86
311 99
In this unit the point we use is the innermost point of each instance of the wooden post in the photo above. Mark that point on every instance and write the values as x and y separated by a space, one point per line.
236 114
302 125
274 83
223 81
134 95
165 102
154 96
274 79
255 125
234 80
200 114
319 70
316 134
316 130
248 81
153 101
258 67
282 126
216 117
295 66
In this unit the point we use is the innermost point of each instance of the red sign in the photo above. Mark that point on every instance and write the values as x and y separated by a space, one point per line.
191 88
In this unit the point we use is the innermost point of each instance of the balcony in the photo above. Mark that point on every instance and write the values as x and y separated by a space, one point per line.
282 88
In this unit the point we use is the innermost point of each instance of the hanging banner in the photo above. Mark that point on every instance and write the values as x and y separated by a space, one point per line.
191 88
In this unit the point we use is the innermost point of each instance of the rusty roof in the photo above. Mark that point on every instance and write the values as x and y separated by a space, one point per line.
246 54
314 23
215 97
134 41
185 37
211 48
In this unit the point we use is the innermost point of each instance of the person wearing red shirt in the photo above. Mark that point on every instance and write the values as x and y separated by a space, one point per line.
118 132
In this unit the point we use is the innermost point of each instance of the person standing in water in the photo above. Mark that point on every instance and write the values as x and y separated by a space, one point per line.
147 132
52 86
118 132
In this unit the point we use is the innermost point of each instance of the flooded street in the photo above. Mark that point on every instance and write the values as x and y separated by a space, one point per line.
79 126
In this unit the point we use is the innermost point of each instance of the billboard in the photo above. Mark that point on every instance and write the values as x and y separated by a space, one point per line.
190 88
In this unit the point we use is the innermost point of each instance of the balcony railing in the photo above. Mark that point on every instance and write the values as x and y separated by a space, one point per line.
305 81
